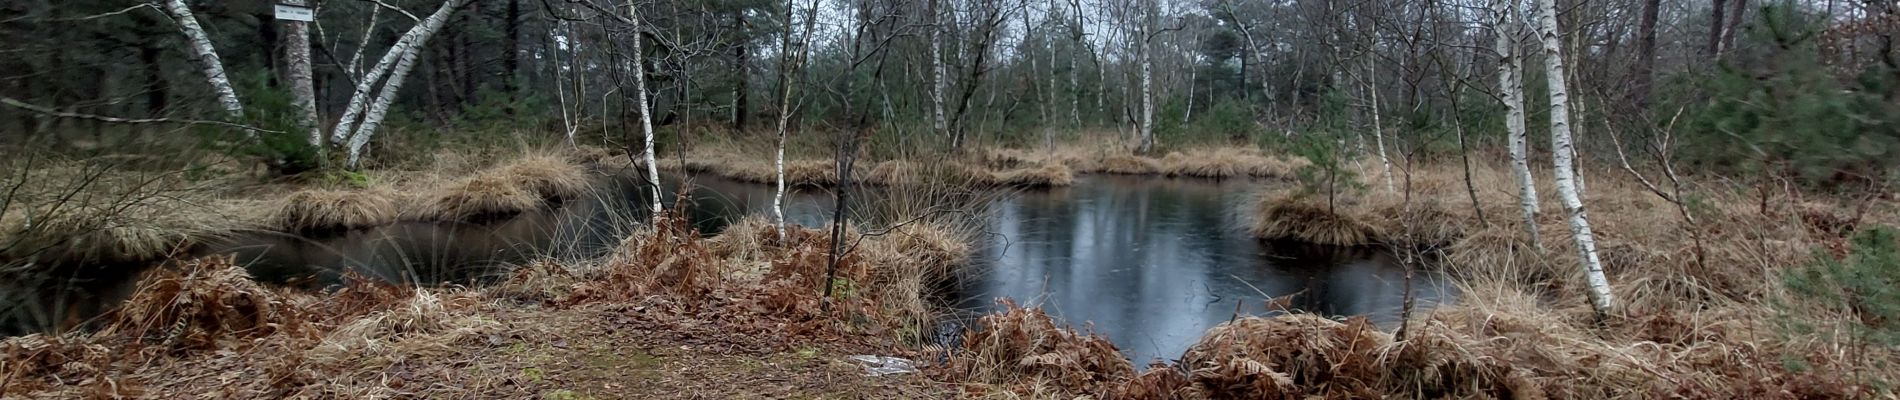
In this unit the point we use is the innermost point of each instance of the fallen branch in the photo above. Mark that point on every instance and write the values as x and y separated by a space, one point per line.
49 111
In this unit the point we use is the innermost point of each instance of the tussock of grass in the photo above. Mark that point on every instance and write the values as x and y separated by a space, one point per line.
478 198
554 178
428 323
318 211
1047 175
1023 345
1308 220
1128 164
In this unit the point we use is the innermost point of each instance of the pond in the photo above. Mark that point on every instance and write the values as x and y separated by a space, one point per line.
1149 262
1152 263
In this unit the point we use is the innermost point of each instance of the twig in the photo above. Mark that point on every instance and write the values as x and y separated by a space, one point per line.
9 101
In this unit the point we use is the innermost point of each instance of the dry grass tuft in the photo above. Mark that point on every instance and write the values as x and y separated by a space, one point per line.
541 281
554 178
1024 345
1290 356
483 197
317 211
1160 382
1300 218
202 303
1047 175
428 323
1128 164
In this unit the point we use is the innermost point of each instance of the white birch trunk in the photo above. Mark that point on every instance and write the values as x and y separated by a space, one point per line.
207 57
373 118
366 86
297 70
1511 93
1378 128
1562 152
938 124
646 113
1147 86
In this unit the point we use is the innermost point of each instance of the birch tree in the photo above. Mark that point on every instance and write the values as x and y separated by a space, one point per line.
1511 93
788 67
1146 55
371 102
646 110
938 73
205 55
1562 153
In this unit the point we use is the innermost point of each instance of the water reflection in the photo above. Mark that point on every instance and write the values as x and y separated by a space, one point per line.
1154 263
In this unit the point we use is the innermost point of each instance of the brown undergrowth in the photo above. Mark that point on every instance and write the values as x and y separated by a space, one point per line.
375 340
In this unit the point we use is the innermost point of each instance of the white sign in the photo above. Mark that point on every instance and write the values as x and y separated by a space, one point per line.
295 13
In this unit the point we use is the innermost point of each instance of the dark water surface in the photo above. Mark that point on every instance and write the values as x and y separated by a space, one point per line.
1152 263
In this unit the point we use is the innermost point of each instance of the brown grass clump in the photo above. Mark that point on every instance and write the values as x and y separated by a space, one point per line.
202 303
890 173
1160 382
1290 356
554 178
1300 218
67 365
428 323
1128 164
1047 175
479 198
1024 347
317 211
541 281
670 258
1217 165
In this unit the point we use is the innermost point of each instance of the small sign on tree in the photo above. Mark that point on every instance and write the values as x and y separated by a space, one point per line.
295 13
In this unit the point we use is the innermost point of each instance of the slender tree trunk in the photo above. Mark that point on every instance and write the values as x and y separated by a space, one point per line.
206 56
1736 14
646 111
511 62
1511 93
297 68
404 54
741 91
938 73
1147 81
1378 128
1561 150
1643 73
1716 19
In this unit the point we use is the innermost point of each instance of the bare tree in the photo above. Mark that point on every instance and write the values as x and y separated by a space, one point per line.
297 70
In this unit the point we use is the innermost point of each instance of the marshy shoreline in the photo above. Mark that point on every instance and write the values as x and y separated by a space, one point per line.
1690 327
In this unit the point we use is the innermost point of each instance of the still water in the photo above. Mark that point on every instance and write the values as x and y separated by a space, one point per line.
1151 263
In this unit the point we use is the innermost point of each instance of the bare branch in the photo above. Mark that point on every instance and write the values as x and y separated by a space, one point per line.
49 111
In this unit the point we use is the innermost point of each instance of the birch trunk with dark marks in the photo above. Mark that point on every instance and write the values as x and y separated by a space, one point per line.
1562 152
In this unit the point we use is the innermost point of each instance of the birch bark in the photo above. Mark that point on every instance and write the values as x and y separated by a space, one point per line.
1561 150
646 112
406 60
1511 93
206 56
